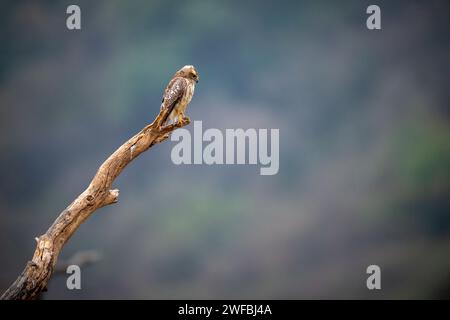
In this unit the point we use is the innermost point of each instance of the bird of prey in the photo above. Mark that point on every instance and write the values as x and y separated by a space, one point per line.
179 93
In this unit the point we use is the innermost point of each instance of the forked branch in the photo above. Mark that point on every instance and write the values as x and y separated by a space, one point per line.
38 271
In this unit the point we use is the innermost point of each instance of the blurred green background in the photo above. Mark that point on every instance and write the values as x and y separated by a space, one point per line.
364 146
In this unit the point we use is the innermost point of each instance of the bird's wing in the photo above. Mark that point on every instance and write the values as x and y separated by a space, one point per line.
172 95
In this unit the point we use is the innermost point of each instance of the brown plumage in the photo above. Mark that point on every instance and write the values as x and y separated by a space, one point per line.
179 93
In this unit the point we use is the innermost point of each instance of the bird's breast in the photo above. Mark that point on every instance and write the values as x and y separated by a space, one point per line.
187 96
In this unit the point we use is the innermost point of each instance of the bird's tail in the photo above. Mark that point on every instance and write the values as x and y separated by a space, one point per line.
164 120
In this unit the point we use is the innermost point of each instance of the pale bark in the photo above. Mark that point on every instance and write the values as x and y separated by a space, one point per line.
38 271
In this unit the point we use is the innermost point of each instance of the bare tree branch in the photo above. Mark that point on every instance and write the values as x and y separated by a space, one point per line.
38 271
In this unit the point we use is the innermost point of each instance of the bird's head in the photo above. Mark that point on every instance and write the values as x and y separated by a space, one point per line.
188 72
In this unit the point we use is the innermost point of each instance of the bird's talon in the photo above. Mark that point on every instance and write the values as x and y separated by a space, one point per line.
186 119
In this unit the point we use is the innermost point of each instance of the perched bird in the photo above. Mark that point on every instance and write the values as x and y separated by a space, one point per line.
179 93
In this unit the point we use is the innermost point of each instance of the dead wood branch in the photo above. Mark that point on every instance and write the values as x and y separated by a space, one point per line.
38 271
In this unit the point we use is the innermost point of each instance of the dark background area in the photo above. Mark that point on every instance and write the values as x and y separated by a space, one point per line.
364 146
